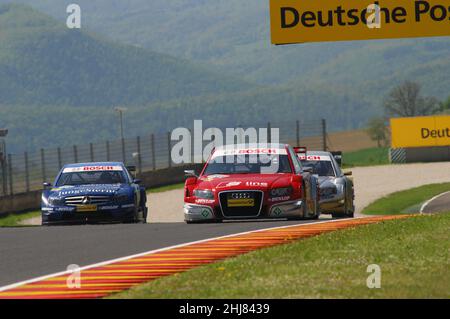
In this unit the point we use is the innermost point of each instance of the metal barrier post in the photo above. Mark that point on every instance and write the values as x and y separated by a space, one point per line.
108 152
124 159
10 172
4 176
138 142
75 154
44 173
153 152
169 146
91 150
27 172
59 158
324 134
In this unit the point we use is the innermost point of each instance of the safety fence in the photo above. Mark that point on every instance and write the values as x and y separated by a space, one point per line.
26 172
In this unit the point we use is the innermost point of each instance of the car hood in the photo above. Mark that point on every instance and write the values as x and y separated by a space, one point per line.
80 190
244 181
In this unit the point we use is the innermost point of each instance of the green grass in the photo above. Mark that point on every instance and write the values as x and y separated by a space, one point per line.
408 201
367 157
413 255
165 188
13 220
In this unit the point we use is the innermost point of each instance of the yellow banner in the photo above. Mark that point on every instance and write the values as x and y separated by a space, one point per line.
423 131
298 21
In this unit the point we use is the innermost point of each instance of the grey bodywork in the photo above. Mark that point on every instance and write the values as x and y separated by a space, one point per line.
337 191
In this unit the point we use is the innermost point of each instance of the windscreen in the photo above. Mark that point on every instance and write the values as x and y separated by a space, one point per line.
321 168
91 176
248 164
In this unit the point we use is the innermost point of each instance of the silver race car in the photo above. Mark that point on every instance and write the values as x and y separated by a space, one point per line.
336 187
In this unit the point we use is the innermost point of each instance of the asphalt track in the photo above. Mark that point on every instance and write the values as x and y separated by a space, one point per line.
31 252
438 204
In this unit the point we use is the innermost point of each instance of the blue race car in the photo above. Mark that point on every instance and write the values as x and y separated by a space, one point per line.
94 192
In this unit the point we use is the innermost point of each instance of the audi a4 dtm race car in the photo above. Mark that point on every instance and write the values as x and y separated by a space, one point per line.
94 192
337 192
242 182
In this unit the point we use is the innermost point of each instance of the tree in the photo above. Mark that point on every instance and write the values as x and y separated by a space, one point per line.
444 106
377 130
405 100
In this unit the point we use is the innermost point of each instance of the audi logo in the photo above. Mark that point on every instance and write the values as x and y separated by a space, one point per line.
241 196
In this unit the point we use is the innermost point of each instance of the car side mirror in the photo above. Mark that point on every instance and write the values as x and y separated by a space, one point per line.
190 173
191 181
349 173
308 170
47 185
131 169
137 181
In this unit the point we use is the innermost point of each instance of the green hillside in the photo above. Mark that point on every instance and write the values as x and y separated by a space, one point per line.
234 35
44 63
59 86
72 79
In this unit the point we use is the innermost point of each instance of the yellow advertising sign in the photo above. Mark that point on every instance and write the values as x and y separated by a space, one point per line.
422 131
298 21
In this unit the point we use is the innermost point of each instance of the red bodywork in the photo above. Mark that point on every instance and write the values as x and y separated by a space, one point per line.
261 183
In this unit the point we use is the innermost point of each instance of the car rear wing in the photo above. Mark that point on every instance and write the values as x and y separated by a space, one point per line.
338 157
300 150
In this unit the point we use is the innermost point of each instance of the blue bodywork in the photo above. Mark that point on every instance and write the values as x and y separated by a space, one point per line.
115 202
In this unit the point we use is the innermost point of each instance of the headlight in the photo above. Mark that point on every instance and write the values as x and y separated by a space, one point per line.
55 201
281 192
121 198
204 194
328 191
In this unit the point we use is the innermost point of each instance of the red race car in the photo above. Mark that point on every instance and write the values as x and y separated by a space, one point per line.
243 182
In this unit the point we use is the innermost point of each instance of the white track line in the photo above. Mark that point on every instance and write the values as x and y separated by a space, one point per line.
431 200
104 263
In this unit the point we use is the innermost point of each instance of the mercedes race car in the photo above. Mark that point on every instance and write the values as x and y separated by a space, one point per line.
336 187
242 182
94 192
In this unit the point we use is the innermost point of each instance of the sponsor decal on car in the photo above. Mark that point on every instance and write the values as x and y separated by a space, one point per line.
229 184
250 151
256 184
279 199
205 213
314 158
277 211
204 201
87 190
65 209
92 169
213 177
108 207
